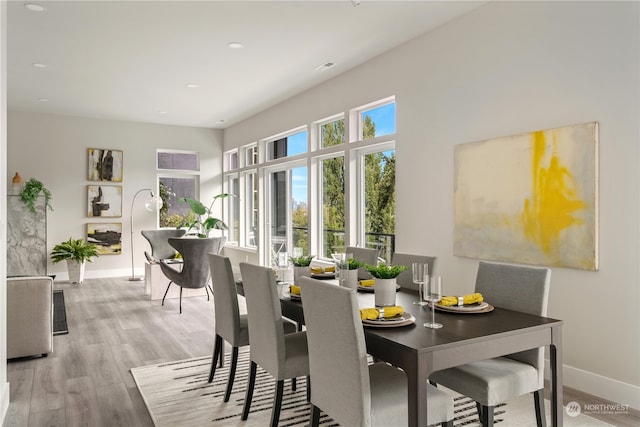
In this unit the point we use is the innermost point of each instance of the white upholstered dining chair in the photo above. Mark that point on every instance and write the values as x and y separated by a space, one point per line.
282 355
366 255
493 381
347 388
405 279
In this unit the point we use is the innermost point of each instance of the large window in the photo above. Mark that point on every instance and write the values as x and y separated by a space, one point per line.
178 176
321 188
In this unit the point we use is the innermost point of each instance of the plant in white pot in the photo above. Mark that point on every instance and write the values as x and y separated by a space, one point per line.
385 282
301 266
351 279
76 252
205 222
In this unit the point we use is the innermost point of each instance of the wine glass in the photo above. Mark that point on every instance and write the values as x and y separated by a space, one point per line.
420 270
434 294
297 252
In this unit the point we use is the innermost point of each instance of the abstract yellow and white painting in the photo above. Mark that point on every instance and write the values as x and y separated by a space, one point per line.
530 198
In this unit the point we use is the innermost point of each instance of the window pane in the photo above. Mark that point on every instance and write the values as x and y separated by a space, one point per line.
251 206
174 213
332 133
333 206
251 156
379 121
232 160
178 161
233 223
300 216
288 146
380 202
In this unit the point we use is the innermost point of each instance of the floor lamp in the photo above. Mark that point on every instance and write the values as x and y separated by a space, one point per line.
152 203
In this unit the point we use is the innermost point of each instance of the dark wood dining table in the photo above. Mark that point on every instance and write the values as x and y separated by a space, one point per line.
464 338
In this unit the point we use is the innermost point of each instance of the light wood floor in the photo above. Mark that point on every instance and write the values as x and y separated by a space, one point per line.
114 327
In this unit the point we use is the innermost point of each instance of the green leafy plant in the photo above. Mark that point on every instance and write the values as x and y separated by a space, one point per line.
77 250
384 271
302 261
31 192
204 221
354 264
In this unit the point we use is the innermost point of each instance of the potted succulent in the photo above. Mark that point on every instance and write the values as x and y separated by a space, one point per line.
204 222
30 193
385 282
352 273
76 252
301 266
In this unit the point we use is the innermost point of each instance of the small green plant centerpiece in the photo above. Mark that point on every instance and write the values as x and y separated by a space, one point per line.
30 193
77 253
351 279
302 261
385 283
204 222
354 264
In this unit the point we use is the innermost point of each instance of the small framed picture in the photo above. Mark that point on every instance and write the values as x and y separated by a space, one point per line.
107 236
105 165
104 201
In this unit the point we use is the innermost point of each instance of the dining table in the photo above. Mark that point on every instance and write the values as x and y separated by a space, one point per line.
464 338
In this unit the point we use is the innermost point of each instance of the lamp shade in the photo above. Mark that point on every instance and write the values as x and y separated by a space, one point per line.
153 203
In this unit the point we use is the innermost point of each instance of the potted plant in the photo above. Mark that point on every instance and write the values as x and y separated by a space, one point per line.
30 193
301 266
351 272
76 253
385 282
204 222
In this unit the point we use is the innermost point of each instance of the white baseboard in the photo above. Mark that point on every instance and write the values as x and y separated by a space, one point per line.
4 402
598 385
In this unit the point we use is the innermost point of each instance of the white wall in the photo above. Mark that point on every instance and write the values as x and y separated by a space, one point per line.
53 149
509 68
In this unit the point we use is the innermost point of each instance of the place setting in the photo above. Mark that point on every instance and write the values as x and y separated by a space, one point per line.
386 317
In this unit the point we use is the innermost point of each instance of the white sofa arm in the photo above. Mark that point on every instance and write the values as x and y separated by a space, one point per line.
29 316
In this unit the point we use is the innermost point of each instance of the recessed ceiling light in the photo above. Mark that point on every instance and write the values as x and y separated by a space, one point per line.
235 45
43 99
162 112
39 65
35 7
191 85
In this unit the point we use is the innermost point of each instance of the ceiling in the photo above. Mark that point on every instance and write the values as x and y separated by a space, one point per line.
133 60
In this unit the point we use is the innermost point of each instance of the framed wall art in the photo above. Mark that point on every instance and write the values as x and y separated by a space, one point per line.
106 236
104 201
105 165
530 198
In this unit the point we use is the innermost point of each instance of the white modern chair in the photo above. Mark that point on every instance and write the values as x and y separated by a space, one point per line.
231 325
493 381
282 355
345 386
405 279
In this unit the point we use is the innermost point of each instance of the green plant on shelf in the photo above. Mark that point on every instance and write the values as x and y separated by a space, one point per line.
31 191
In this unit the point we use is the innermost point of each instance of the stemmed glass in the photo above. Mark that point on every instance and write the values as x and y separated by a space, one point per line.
434 294
420 270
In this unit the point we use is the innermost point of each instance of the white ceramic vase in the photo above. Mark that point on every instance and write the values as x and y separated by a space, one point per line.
76 271
299 271
352 279
385 292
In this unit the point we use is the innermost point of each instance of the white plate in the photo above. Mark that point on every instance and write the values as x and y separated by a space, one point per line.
322 276
296 297
402 320
371 288
483 307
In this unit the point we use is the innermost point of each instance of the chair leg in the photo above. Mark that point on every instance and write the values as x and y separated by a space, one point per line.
447 424
314 419
206 288
232 373
308 388
294 384
249 395
538 401
217 352
487 416
180 299
277 403
165 292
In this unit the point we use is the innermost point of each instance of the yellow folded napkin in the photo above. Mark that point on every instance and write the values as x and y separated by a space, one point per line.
320 270
374 313
466 299
368 282
294 290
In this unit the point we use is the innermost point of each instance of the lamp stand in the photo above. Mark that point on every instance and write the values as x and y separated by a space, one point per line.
150 207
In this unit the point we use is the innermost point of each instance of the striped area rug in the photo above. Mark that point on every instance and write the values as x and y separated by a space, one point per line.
178 394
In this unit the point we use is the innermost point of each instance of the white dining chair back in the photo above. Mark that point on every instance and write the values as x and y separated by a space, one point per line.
405 279
345 386
366 255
